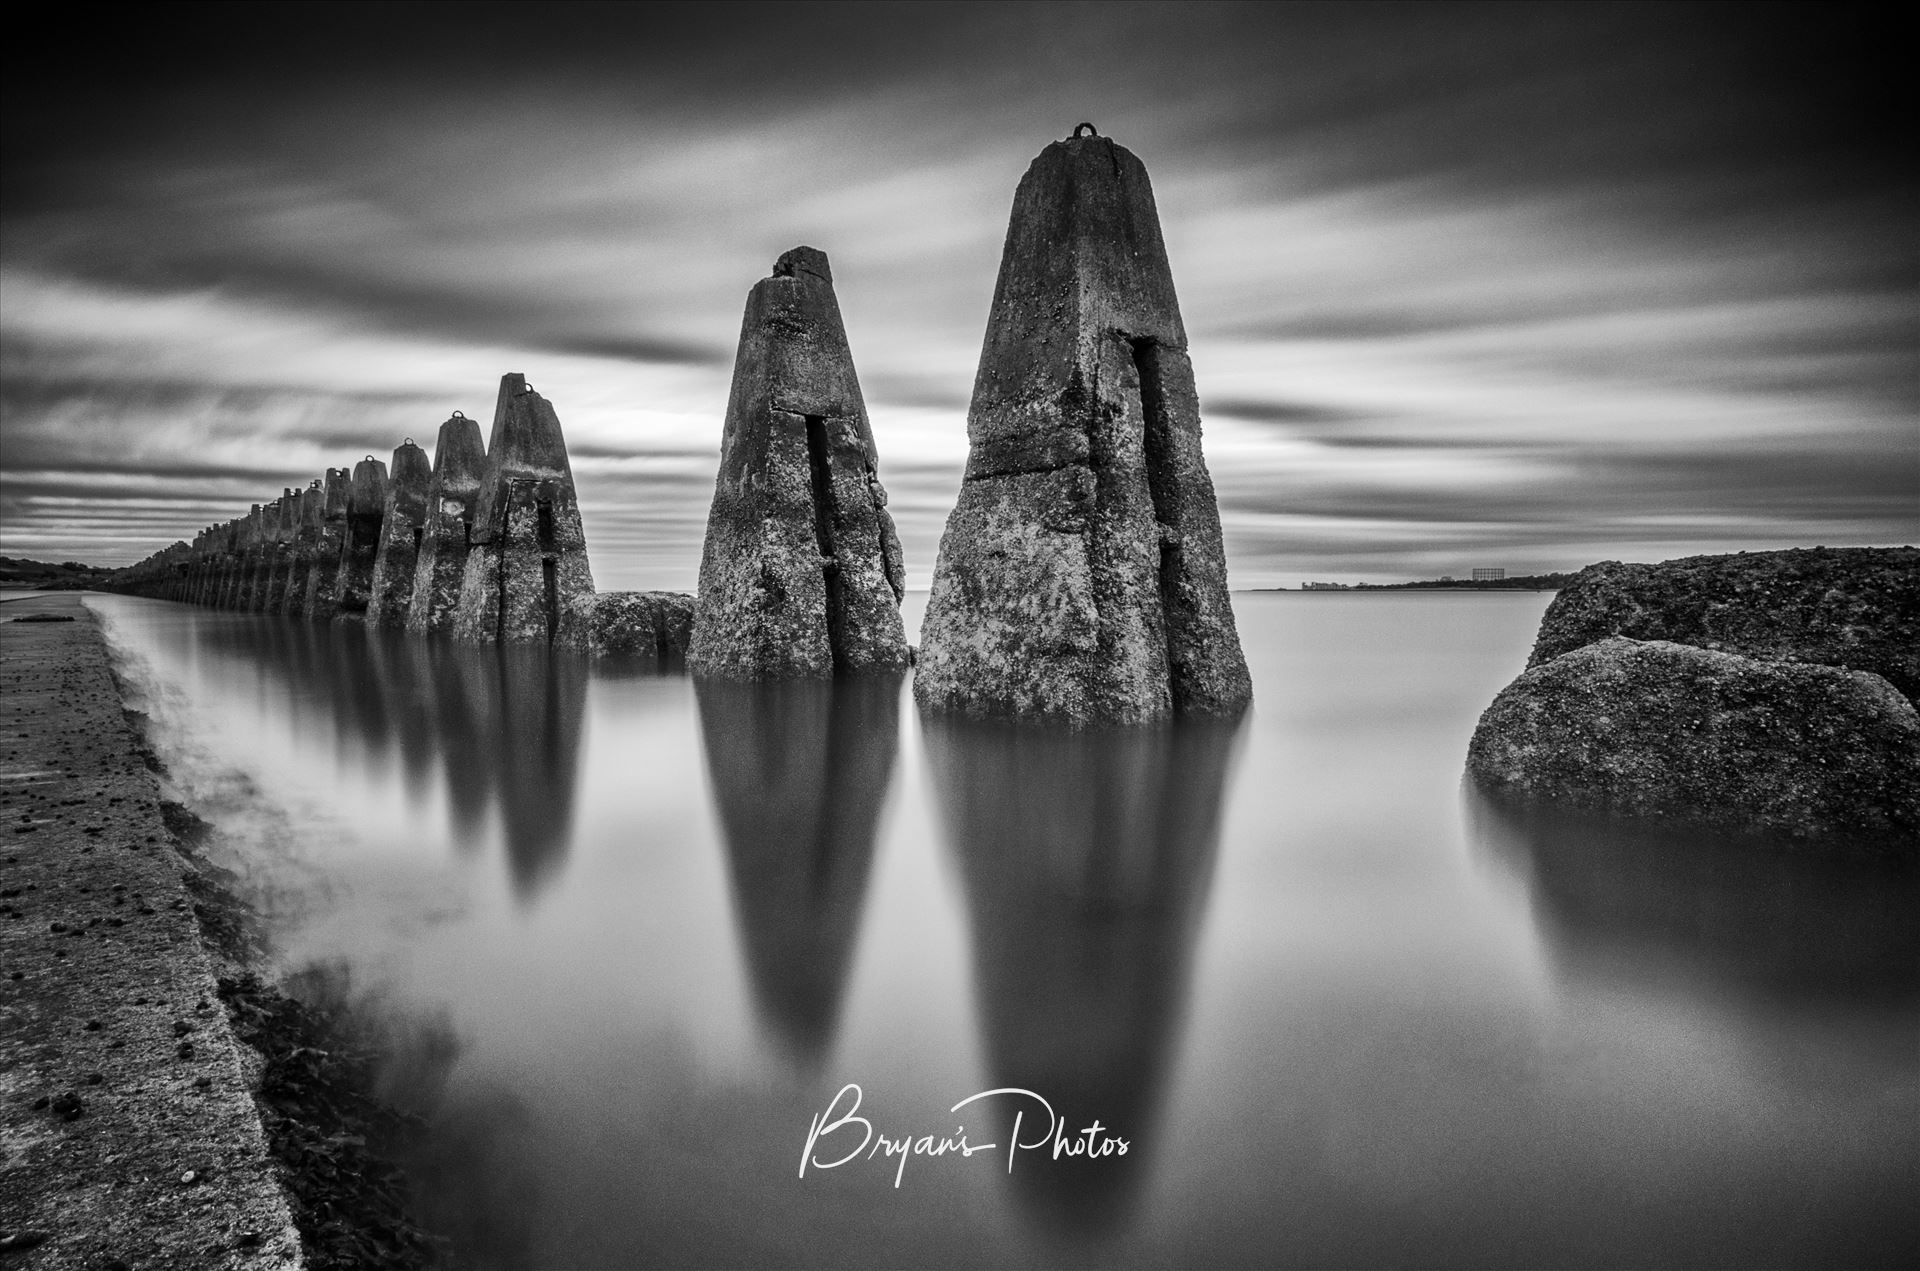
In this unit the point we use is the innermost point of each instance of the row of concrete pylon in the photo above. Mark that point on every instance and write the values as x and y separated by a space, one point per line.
1082 575
485 543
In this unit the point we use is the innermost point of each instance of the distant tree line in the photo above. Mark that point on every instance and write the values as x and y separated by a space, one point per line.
1522 582
68 575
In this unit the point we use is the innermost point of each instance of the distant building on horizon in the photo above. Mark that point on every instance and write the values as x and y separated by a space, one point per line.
1488 573
1325 587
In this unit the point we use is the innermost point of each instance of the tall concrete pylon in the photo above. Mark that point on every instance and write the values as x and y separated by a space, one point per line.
801 574
323 577
402 527
527 580
360 539
273 598
459 462
306 532
1082 577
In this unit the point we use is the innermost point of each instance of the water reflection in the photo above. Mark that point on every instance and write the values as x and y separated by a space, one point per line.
503 726
1085 859
1779 940
799 771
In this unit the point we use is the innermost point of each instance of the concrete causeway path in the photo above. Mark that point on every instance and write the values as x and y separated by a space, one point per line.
128 1133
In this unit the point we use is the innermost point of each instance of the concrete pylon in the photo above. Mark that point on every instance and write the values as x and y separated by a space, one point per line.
801 575
459 461
360 540
306 532
273 598
401 528
199 568
526 580
323 576
1081 577
237 558
260 572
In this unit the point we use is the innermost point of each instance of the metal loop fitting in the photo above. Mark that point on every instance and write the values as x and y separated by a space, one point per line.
1091 130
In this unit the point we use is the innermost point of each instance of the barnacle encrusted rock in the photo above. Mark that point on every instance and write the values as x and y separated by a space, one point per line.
650 625
1670 732
1853 607
1082 577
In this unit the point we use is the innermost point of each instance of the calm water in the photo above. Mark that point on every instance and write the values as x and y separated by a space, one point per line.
637 935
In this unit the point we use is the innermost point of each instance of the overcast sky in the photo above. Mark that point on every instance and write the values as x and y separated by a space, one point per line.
1521 286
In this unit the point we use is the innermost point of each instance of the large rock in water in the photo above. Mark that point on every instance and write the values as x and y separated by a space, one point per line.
1081 577
1856 607
654 625
1654 729
801 574
526 579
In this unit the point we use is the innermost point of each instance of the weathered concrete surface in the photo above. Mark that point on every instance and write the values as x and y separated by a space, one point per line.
402 526
273 597
299 555
247 559
260 558
126 1118
323 576
526 579
1081 576
801 574
1853 607
459 462
1667 731
656 625
360 539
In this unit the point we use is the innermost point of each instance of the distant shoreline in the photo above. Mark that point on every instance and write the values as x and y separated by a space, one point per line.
1396 588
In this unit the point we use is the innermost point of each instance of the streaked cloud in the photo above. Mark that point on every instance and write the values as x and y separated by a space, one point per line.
1464 285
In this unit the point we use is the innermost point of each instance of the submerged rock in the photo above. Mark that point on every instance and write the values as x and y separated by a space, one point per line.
641 624
402 525
1081 576
1856 607
1666 731
526 579
459 461
801 573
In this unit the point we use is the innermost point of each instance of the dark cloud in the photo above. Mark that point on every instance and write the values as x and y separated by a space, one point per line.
1569 275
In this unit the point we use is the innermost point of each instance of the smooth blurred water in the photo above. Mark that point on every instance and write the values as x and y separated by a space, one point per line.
636 934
